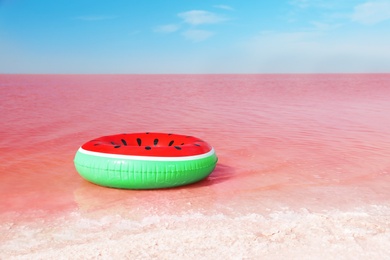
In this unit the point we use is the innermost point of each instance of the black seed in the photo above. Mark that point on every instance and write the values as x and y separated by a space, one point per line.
182 143
171 143
177 147
147 133
148 147
95 144
139 141
112 143
197 144
124 141
117 146
155 142
169 134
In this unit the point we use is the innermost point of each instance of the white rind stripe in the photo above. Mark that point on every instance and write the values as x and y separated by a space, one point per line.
147 158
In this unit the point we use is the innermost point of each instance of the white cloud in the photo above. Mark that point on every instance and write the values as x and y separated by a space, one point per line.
197 17
371 12
224 7
315 52
194 18
321 4
323 26
167 28
197 35
300 3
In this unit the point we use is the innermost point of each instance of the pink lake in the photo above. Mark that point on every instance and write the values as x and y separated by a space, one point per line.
303 170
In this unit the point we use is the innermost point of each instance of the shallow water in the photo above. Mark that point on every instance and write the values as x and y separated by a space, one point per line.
294 140
312 142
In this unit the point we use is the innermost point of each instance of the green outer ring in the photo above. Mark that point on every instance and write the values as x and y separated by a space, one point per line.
142 174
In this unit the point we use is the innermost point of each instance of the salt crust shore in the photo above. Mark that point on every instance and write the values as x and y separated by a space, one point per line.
361 233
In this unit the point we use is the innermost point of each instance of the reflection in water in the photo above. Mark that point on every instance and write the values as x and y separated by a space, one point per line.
90 199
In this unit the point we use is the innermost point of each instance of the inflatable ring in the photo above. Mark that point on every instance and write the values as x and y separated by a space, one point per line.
145 160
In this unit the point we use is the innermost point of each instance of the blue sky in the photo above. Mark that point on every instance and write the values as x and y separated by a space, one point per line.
193 36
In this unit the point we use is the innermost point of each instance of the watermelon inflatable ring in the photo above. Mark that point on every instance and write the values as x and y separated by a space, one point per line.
145 160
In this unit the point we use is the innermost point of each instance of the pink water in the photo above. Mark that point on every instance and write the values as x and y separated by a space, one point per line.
318 142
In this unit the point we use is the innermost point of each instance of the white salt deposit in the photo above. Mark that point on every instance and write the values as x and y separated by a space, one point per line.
360 233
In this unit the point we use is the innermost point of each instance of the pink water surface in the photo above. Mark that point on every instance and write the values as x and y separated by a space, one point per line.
296 141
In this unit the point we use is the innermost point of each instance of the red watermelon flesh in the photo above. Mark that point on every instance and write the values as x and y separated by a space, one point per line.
148 144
